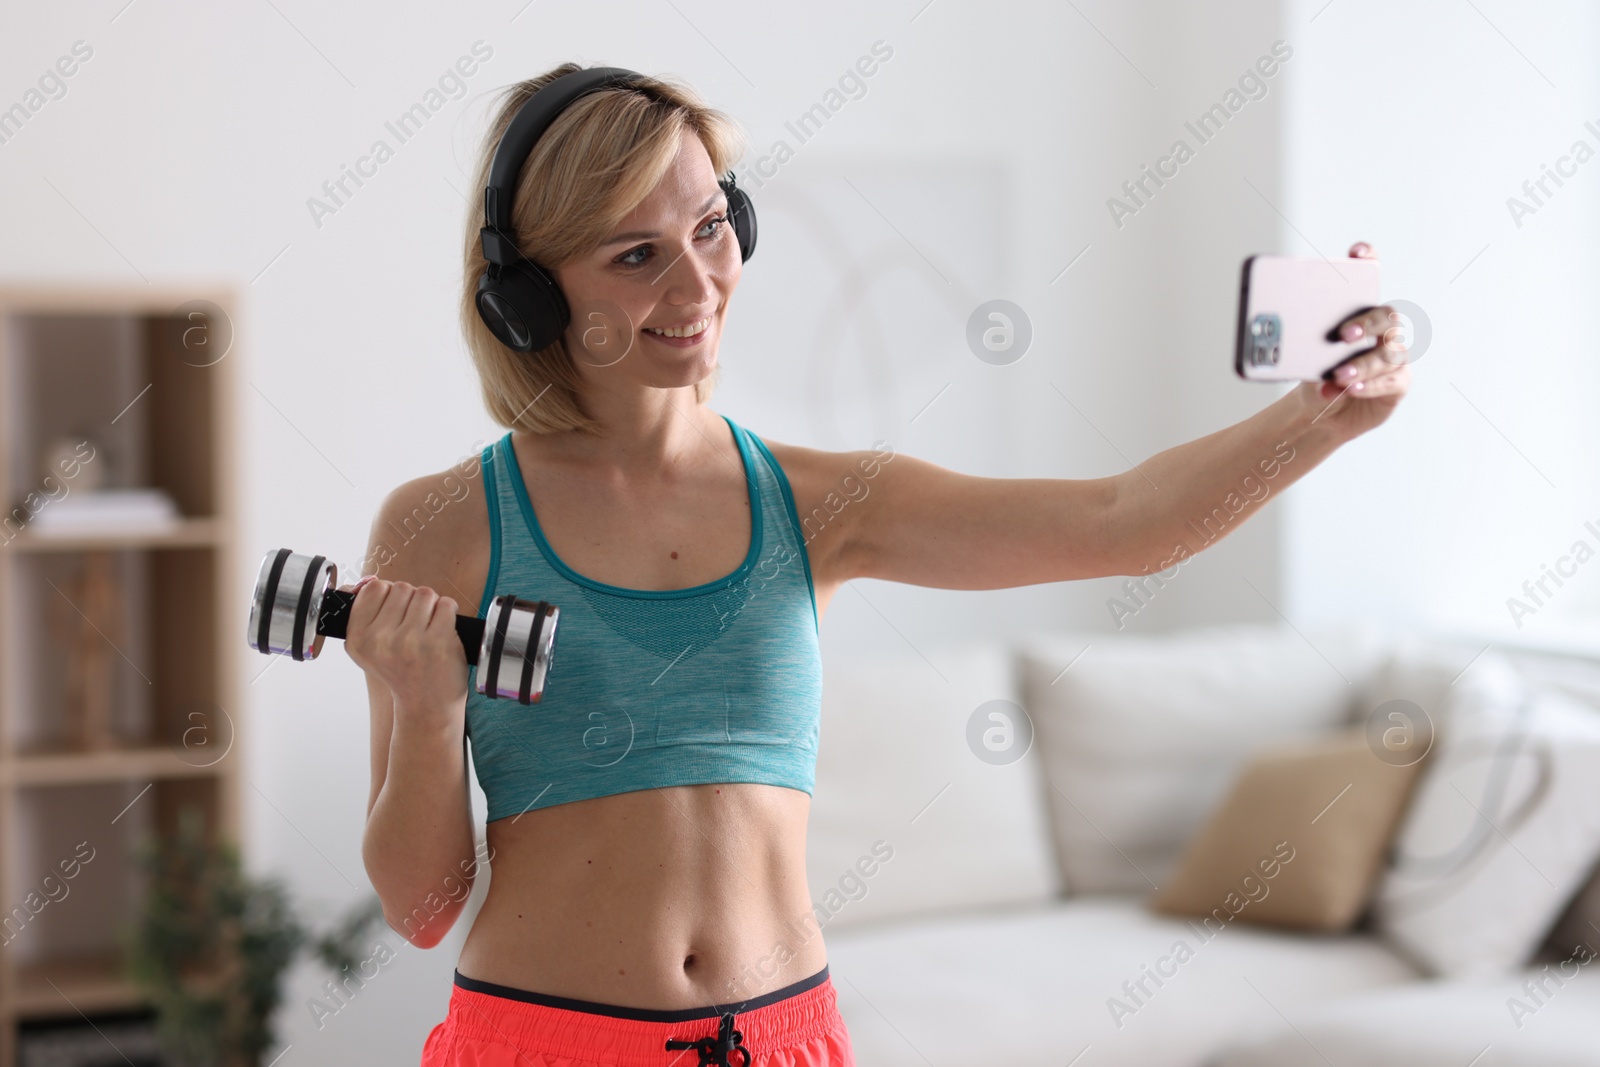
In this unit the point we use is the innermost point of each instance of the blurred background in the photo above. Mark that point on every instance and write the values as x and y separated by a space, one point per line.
193 154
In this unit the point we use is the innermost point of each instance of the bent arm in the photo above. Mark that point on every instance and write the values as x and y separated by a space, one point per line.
925 525
418 846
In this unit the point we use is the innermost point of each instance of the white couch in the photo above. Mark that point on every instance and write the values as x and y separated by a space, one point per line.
1009 912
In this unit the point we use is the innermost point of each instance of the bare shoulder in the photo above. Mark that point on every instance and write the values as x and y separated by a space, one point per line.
434 531
813 472
832 492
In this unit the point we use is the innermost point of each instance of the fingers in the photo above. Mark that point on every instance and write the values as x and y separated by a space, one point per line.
1368 376
382 605
371 595
392 619
444 614
1356 374
1393 382
419 609
1382 325
401 605
1379 324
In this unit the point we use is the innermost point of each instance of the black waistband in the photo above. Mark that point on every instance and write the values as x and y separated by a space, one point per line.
653 1015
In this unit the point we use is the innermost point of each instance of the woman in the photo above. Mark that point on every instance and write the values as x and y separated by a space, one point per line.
647 819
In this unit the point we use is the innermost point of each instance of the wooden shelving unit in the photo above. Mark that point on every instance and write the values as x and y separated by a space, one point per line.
130 370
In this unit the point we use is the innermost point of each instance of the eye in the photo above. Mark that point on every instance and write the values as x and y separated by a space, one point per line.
639 255
715 222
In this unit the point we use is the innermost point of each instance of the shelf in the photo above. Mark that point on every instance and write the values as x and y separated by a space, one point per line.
154 299
114 765
185 533
65 987
119 366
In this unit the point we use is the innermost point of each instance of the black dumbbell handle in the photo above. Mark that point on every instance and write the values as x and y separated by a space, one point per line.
334 619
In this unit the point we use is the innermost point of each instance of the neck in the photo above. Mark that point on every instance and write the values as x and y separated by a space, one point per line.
645 430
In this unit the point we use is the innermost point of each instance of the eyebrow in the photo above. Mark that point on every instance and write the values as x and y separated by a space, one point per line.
651 235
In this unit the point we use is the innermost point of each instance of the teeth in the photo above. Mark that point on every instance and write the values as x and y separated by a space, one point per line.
682 331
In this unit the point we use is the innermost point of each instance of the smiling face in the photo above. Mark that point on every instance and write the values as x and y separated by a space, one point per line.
648 305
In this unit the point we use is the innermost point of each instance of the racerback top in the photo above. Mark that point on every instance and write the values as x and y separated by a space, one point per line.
720 682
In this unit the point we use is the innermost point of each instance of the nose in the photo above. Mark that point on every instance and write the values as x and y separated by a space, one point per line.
690 279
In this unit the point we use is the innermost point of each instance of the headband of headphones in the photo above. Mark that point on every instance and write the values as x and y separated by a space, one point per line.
527 126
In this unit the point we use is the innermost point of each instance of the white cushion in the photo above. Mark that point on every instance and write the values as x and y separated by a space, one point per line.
895 771
1035 985
1502 829
1421 669
1441 1024
1143 735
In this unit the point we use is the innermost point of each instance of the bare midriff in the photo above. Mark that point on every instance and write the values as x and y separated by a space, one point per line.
665 898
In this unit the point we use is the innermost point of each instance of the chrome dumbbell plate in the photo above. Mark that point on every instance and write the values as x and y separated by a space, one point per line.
287 602
518 643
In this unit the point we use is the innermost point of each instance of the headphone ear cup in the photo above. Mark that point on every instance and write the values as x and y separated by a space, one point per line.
743 214
522 306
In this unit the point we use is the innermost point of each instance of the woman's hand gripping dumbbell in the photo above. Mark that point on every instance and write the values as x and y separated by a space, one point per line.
296 606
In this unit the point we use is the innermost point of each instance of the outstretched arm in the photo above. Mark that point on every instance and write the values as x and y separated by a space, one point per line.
925 525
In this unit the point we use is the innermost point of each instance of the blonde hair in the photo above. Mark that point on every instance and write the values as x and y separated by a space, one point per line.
597 162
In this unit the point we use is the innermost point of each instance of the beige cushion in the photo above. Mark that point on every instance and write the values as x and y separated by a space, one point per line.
1141 735
1299 840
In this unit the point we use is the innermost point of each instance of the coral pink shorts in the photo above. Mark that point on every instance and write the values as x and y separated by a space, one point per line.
491 1025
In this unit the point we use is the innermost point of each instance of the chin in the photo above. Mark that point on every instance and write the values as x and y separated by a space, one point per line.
681 376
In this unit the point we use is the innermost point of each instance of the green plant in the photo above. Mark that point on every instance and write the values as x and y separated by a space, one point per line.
212 944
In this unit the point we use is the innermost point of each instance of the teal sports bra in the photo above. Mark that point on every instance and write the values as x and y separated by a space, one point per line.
720 682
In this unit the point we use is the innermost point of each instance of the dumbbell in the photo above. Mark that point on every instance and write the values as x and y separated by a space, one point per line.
296 606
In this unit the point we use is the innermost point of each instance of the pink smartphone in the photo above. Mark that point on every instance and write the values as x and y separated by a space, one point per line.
1290 309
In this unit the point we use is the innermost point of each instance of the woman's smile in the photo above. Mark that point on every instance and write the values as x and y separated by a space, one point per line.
685 336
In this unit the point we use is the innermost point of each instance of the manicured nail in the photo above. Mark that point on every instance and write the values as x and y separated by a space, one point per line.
1358 387
1346 372
1361 248
1351 331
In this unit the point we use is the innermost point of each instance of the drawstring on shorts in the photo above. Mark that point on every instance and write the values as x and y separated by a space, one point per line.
715 1050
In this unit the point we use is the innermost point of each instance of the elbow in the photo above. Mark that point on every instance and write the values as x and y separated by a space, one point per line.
1128 539
422 926
420 914
1142 539
419 908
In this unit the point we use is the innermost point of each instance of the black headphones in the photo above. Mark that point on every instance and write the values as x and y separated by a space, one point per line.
518 300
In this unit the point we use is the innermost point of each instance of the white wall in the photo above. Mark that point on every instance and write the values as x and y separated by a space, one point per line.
188 146
1415 137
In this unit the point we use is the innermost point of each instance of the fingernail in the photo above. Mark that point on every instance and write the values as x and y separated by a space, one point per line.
1358 387
1361 248
1351 331
1346 372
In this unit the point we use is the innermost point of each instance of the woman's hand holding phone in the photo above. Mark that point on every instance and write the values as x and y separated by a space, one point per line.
1361 392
